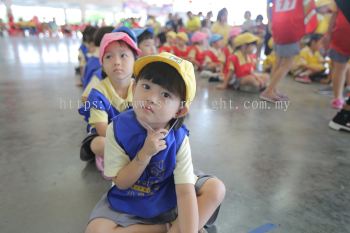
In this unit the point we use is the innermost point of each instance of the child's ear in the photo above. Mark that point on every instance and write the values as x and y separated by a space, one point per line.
182 112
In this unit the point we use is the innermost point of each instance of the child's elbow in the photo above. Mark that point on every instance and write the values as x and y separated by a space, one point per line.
120 185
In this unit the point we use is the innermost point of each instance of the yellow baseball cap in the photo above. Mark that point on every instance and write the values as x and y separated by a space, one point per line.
183 36
321 3
171 34
245 38
184 67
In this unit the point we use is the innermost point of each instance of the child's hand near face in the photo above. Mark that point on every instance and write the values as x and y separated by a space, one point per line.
154 142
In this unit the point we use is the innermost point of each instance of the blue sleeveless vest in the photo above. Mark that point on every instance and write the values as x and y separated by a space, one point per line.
84 50
154 192
91 66
98 101
98 74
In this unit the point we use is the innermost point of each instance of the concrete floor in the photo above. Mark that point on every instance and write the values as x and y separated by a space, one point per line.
285 168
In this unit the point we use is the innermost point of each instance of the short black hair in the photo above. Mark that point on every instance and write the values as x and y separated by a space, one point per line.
221 13
259 17
100 33
313 37
144 36
167 77
88 34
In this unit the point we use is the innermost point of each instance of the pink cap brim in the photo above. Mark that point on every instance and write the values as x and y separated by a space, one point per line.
117 36
235 31
198 36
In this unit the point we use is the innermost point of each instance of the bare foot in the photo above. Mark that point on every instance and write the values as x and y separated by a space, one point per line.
221 86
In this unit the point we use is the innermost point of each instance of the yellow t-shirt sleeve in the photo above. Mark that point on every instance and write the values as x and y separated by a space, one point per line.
115 157
304 54
97 116
93 83
183 173
81 58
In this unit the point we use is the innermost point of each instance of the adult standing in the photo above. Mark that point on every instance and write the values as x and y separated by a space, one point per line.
339 49
248 24
288 27
193 23
221 27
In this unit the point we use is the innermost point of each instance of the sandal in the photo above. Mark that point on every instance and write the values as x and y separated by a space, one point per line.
270 99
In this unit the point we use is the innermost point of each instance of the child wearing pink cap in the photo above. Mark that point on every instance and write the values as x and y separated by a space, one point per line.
111 96
195 54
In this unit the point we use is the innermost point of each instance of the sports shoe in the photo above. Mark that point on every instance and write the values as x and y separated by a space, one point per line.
337 103
303 79
341 121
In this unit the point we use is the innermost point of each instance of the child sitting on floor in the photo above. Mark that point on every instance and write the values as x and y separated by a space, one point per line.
148 155
312 63
214 59
195 54
111 96
181 49
145 41
169 45
242 64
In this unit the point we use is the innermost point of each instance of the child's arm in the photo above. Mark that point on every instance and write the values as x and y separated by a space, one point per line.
99 120
101 128
187 208
184 179
129 174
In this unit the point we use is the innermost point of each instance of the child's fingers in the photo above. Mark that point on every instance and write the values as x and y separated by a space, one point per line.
162 147
162 143
162 132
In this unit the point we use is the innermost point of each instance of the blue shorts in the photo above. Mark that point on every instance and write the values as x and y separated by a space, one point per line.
338 57
287 50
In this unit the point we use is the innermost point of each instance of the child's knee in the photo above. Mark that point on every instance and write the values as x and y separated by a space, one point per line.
98 145
100 141
214 189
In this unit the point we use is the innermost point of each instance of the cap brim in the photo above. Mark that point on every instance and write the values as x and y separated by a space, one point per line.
117 36
172 61
143 61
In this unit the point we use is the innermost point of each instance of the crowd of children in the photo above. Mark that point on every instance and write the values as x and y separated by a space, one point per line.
137 93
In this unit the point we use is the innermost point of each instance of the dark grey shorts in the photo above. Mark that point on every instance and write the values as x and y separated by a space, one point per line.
338 57
287 50
103 210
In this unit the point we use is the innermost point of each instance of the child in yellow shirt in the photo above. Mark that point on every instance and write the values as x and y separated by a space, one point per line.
312 63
